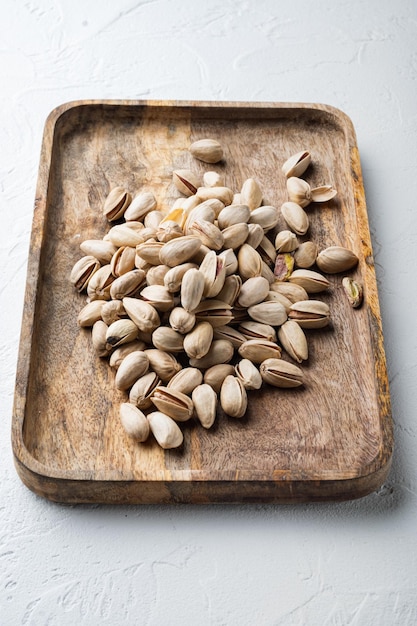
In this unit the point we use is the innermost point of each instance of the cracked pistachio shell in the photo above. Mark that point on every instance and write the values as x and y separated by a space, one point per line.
233 397
353 291
248 374
173 403
216 312
323 193
141 205
186 380
267 273
149 251
233 214
257 330
336 259
278 297
99 285
280 373
293 292
142 389
215 375
168 339
179 250
310 313
186 181
169 230
251 194
163 363
295 217
143 314
230 334
230 289
98 338
312 282
91 313
204 212
83 271
257 350
133 366
299 191
192 289
230 260
165 430
98 248
297 164
267 251
134 422
221 351
293 340
127 284
255 235
207 150
116 203
213 270
198 341
121 331
123 260
249 262
205 404
173 277
181 320
253 291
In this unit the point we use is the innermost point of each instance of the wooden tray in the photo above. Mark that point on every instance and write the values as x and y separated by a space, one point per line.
331 440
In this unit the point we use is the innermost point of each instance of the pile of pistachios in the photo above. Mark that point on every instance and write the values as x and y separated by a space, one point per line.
198 304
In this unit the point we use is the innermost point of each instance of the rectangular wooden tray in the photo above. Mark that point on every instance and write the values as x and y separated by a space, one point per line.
330 440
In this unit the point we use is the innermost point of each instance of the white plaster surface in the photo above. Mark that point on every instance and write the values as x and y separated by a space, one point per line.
353 563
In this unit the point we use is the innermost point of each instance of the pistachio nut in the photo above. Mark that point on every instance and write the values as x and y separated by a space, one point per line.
119 332
257 330
215 375
280 373
253 291
213 270
299 191
249 374
310 313
353 291
213 179
90 313
165 430
186 380
209 234
173 277
99 285
198 341
230 334
141 391
249 262
127 284
116 203
293 340
297 164
181 320
163 363
286 241
143 314
224 194
312 282
112 311
233 397
178 251
235 236
293 292
257 350
192 289
173 403
133 366
336 259
186 181
305 255
230 289
221 351
295 217
83 271
265 216
233 214
167 339
207 150
216 312
205 404
251 194
141 205
98 248
122 351
271 312
158 296
98 338
134 422
255 235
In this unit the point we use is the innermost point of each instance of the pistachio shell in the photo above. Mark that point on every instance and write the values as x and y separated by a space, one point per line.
235 236
336 259
297 164
178 251
353 291
132 367
209 234
83 271
98 338
173 277
253 291
98 248
255 235
186 181
280 373
250 262
213 270
271 312
127 284
112 311
286 241
257 350
215 375
310 313
198 341
213 179
207 150
143 314
192 289
119 354
90 313
116 203
221 351
134 422
181 320
158 296
99 285
142 203
216 312
163 363
123 260
205 404
305 255
124 235
224 194
257 330
233 397
299 191
265 216
295 217
293 340
234 214
149 251
173 403
251 194
121 331
248 374
230 289
142 389
186 380
230 334
312 282
293 292
165 430
165 338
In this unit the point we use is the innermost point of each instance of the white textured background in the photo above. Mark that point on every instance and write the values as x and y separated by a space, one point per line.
334 564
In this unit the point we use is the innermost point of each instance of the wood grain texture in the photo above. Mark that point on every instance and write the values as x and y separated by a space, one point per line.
330 440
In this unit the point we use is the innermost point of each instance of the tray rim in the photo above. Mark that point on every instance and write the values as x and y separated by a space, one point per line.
35 475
